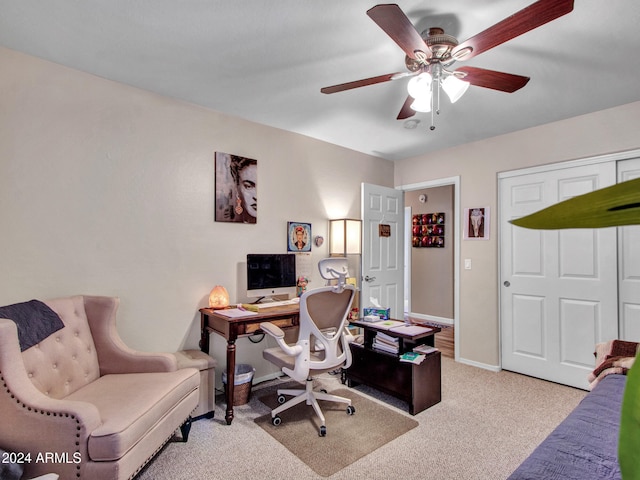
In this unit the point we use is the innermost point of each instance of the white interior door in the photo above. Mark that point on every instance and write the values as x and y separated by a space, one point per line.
383 256
558 295
629 265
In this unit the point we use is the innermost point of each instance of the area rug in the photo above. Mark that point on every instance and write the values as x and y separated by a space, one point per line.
349 437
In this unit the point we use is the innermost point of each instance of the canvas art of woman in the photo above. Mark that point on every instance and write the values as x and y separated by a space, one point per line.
236 189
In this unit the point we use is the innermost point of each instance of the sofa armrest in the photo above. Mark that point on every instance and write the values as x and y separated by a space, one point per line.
114 356
63 425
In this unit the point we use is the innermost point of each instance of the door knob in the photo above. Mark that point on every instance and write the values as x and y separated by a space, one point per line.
507 283
369 279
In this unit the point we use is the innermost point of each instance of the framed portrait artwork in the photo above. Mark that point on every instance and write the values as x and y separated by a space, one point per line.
477 223
298 237
236 181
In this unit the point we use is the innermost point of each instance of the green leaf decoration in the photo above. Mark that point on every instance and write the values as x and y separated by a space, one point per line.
608 207
613 206
629 440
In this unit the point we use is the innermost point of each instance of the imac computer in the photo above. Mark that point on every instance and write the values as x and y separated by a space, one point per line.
271 274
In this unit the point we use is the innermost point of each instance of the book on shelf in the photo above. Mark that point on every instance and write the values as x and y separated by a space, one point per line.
385 347
425 349
412 357
382 338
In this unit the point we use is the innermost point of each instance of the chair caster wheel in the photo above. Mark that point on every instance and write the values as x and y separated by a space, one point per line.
276 421
281 399
323 431
323 390
351 410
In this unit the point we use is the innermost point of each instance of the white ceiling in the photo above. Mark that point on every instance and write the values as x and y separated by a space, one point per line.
266 61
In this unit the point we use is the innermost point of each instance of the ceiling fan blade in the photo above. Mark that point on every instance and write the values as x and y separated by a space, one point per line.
364 82
395 23
505 82
533 16
406 111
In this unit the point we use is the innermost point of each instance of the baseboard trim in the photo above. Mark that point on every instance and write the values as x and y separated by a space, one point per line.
265 378
431 318
484 366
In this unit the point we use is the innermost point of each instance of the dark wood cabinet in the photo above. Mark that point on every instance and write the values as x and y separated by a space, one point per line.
418 385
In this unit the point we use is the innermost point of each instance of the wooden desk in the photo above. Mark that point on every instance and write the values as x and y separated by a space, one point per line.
418 385
231 328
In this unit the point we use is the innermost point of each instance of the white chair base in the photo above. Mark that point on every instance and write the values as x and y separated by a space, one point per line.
311 397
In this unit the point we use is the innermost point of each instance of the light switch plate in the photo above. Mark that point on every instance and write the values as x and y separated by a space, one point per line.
467 264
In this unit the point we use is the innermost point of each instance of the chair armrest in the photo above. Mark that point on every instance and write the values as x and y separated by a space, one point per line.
346 339
348 336
273 330
277 333
114 356
61 425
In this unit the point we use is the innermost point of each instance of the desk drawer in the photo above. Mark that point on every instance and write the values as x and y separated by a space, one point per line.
281 322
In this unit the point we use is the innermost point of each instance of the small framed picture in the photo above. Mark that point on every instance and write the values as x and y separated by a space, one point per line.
298 237
477 223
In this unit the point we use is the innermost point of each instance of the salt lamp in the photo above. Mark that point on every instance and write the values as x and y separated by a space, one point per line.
219 297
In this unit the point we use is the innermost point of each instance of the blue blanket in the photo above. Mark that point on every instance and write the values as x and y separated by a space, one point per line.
585 445
35 321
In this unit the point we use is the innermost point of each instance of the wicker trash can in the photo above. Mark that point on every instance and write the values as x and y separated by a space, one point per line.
242 383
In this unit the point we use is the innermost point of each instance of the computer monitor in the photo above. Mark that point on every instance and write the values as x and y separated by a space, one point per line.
271 274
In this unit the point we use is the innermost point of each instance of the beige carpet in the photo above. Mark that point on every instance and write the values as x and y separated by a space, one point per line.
485 426
349 437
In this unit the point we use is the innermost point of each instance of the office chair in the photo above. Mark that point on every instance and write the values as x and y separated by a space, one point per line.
323 342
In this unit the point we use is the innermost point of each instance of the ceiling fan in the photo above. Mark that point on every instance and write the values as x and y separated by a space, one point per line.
429 56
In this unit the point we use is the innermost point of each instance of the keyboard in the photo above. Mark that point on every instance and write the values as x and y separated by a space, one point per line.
281 303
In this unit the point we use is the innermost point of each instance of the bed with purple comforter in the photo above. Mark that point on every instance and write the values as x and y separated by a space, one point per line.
585 445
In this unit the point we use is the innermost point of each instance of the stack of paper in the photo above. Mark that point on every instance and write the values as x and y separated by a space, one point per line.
386 343
235 312
425 349
388 324
410 329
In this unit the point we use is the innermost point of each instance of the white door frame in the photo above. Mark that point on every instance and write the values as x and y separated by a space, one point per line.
455 181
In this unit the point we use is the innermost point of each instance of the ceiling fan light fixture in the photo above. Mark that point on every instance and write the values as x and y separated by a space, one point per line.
420 87
454 87
422 104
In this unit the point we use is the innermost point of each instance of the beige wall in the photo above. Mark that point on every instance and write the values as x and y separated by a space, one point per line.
432 268
109 190
478 163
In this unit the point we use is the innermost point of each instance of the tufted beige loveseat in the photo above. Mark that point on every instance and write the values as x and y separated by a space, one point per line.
84 405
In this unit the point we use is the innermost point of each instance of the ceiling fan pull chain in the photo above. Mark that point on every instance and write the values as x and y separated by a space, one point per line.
435 98
433 126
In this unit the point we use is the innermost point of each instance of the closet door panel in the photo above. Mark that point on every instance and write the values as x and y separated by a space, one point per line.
629 265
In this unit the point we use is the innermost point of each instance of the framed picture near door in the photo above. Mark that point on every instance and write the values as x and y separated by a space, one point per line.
428 230
477 223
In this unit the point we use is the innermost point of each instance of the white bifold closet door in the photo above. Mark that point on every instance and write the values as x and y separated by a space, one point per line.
629 265
558 292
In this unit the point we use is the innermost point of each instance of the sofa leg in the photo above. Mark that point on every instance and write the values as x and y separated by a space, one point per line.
185 428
